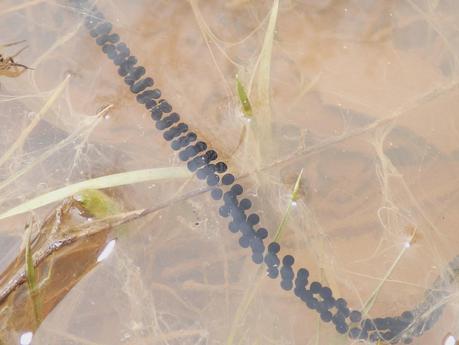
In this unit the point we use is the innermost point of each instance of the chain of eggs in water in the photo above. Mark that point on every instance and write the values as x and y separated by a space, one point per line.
200 160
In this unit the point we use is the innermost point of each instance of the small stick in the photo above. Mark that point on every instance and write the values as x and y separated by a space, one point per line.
12 44
20 51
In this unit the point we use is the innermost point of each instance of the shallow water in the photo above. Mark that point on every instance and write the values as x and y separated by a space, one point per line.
363 98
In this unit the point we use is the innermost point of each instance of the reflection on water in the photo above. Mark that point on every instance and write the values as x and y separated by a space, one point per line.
26 338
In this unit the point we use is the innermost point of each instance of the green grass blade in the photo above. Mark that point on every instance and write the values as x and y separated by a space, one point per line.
108 181
296 187
30 269
31 278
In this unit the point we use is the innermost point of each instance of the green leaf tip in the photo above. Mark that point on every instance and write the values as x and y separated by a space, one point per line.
246 106
296 187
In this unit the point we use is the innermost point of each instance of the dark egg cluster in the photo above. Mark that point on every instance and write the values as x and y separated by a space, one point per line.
203 161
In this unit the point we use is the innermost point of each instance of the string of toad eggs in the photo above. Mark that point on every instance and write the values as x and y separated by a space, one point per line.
200 161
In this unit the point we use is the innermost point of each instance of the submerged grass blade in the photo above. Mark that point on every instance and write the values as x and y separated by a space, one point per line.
261 84
25 133
30 269
108 181
87 127
79 132
296 187
31 278
263 66
249 295
283 222
246 106
20 6
370 302
293 198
